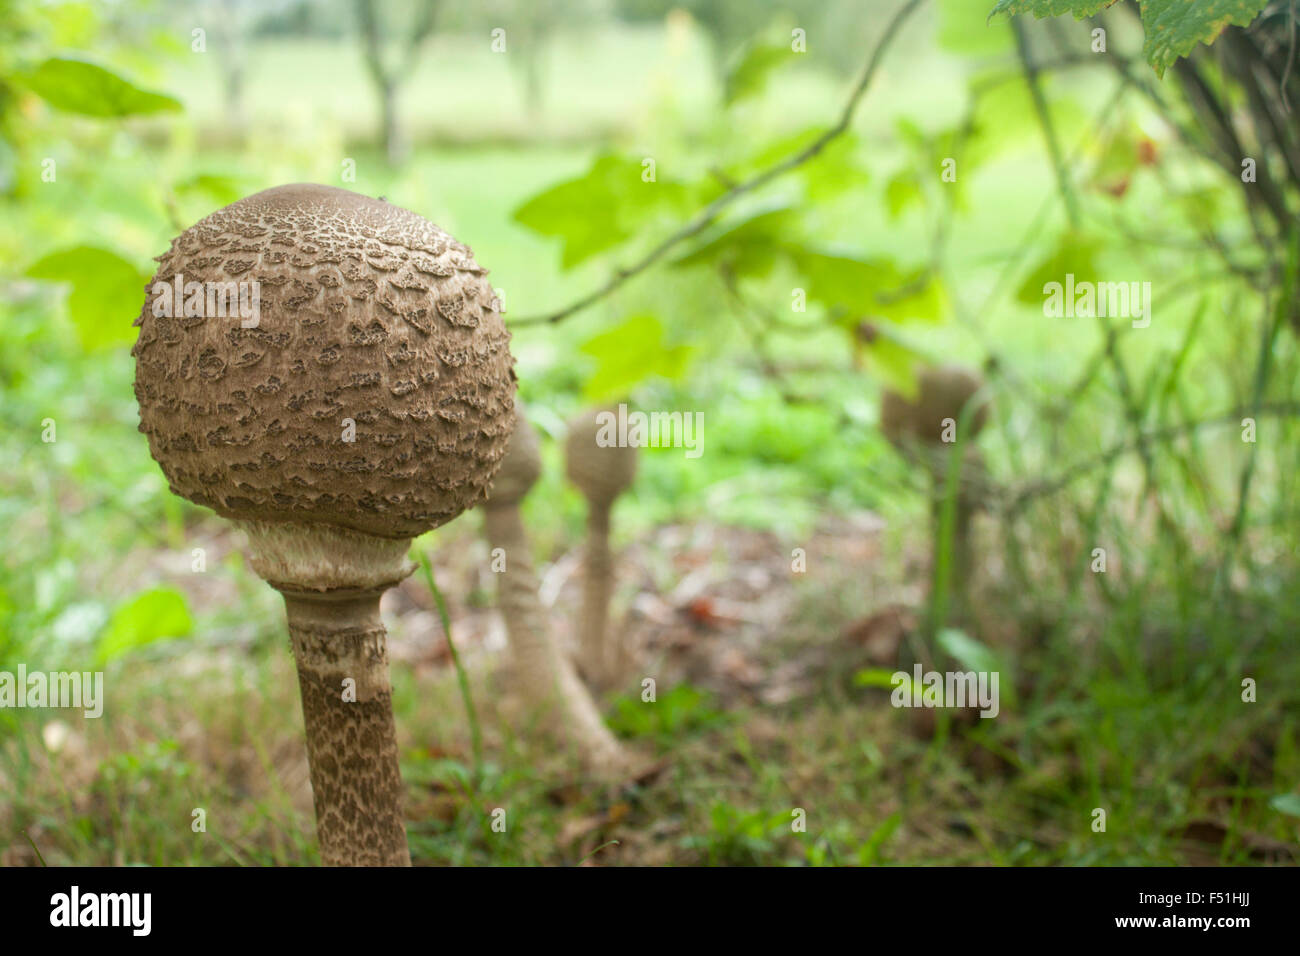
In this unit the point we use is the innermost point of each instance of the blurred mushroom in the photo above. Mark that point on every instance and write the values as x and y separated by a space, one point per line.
541 673
602 470
923 429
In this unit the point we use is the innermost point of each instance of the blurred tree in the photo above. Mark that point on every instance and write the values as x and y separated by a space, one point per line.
387 78
531 27
834 27
231 27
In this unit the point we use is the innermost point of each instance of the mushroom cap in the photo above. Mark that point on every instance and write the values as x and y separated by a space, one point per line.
368 313
521 466
942 392
601 471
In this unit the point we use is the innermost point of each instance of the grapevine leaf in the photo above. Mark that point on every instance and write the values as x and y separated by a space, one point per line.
1173 28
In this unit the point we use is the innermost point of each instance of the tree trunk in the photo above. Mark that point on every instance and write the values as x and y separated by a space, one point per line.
394 141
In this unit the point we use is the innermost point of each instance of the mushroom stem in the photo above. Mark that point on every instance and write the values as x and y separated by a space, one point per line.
332 579
601 659
544 676
351 743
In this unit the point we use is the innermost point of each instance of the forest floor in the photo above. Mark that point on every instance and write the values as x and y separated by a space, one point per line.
763 744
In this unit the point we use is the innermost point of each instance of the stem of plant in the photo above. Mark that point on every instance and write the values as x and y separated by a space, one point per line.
42 859
946 526
475 733
1286 306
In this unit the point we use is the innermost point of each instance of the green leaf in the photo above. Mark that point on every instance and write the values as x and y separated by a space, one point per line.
967 651
221 189
964 28
1173 27
682 710
874 677
973 655
869 852
976 657
1004 117
1052 8
754 66
1288 803
599 209
893 360
868 287
1117 158
834 170
153 615
8 165
630 353
79 86
107 292
747 244
902 191
1076 256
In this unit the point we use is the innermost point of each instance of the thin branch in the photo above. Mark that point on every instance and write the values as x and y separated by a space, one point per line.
1263 366
1063 479
709 214
1248 59
758 340
1214 116
1045 121
1290 56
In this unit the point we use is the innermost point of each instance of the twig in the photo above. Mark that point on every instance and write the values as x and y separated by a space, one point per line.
1285 306
1066 477
1045 120
709 214
1290 57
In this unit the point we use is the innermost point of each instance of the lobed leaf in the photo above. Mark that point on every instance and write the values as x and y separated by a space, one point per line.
600 209
1173 28
107 292
79 86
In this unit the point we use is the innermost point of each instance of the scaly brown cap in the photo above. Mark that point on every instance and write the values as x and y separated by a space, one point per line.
601 471
521 466
368 312
942 392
